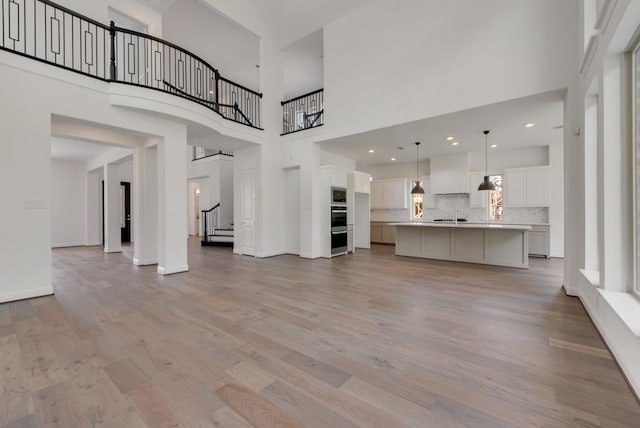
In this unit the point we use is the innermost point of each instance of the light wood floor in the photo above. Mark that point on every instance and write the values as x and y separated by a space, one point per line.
369 340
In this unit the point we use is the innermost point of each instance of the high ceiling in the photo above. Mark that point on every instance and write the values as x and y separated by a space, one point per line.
505 121
291 20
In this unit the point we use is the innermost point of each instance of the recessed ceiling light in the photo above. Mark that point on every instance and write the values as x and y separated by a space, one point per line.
371 150
449 138
393 159
529 125
455 143
493 146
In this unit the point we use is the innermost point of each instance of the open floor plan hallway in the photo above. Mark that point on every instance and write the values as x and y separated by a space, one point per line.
369 339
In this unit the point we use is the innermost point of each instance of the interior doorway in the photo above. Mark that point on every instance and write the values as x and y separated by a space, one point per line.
125 212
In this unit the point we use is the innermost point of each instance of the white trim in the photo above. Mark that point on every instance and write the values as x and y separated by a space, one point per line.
589 53
604 15
176 269
626 307
619 337
112 250
145 262
593 276
67 244
26 294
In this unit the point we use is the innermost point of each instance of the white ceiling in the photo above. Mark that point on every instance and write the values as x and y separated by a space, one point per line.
504 120
77 151
291 20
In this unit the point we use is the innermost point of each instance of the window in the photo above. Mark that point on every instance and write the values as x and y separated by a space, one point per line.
417 202
496 199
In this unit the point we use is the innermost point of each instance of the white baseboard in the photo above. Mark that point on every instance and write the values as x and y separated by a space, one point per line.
112 250
176 269
67 244
144 262
622 343
26 294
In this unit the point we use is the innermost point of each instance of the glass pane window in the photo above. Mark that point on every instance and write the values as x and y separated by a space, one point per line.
417 202
495 198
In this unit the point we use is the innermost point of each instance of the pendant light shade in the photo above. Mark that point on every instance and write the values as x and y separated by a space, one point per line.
417 189
486 183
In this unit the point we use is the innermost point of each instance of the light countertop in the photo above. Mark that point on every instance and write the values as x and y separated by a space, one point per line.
465 225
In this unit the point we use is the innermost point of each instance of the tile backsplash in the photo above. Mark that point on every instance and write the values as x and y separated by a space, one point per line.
446 206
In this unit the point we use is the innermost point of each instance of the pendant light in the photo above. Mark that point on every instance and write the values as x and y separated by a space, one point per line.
486 183
417 189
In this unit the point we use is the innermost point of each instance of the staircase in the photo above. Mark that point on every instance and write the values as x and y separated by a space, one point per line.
212 232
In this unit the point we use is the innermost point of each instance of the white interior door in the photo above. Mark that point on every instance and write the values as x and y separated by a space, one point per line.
248 243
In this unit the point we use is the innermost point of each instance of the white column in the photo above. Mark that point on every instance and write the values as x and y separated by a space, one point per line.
145 205
112 225
613 257
172 198
556 198
93 224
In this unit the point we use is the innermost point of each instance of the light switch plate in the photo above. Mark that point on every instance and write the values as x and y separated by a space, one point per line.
35 204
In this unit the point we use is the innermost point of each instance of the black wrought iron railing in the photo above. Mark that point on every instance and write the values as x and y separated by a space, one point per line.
303 112
50 33
210 222
205 152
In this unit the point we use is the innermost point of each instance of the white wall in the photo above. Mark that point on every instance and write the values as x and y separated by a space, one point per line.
393 62
68 203
327 158
226 46
292 208
304 66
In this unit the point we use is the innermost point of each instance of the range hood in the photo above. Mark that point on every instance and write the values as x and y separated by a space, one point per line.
450 173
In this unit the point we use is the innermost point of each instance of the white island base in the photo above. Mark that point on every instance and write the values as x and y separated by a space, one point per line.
489 244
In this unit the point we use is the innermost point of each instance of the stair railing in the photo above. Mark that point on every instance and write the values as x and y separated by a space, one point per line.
50 33
210 222
303 112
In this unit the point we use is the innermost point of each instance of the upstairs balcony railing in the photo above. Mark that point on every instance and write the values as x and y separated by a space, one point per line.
303 112
50 33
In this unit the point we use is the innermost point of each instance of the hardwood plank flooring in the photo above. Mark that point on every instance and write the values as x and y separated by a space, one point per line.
370 340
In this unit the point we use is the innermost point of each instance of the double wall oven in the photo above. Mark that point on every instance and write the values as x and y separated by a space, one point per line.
338 221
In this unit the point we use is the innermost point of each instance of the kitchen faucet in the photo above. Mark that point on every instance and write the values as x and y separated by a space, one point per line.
456 216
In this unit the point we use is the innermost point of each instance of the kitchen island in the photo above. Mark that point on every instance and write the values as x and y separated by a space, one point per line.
484 243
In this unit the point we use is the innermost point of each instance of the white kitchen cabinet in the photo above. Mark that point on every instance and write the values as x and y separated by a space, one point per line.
477 199
526 187
538 187
362 182
539 241
377 195
389 194
338 176
429 200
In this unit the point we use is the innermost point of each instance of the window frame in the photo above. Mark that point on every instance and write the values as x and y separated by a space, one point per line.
635 170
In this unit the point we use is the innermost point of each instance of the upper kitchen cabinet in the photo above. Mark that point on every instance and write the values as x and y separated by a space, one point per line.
336 177
389 194
362 182
526 187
